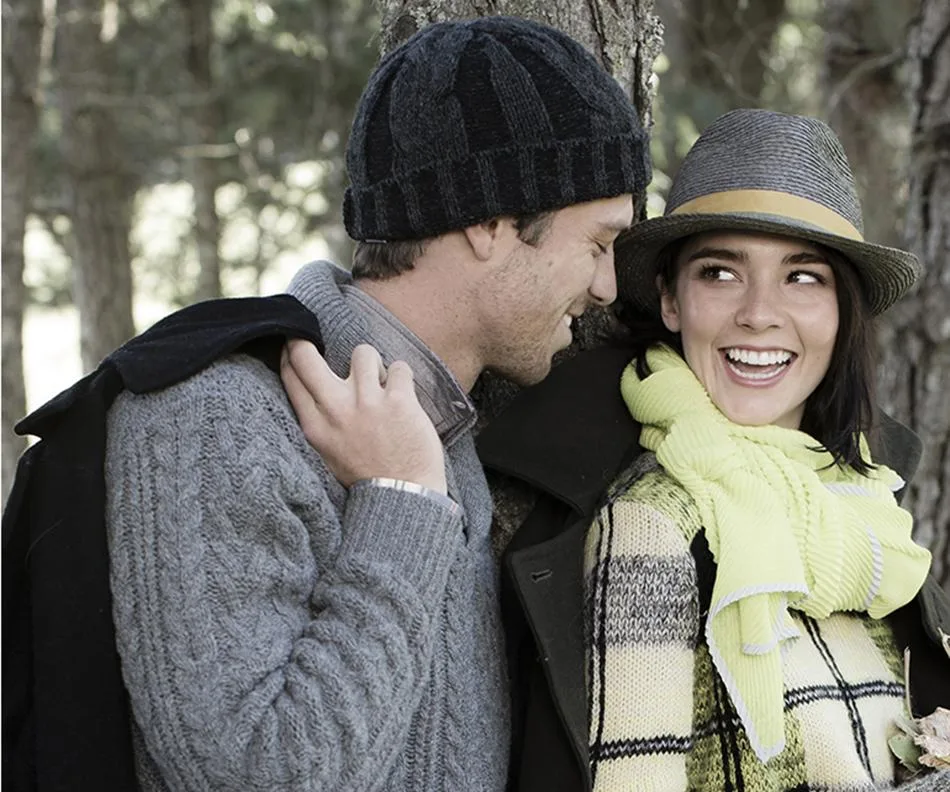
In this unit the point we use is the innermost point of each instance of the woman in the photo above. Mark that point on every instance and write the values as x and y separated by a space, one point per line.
752 380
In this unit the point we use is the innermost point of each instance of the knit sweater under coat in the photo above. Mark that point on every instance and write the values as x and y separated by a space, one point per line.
661 718
279 632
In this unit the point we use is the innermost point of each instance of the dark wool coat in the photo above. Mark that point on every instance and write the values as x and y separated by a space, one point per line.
66 719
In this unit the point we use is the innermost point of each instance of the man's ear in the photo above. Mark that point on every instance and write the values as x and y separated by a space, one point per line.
669 307
484 238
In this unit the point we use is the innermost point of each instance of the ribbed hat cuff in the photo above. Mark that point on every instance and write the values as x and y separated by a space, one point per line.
517 180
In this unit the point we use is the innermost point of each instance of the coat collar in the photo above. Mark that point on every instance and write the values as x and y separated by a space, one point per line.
569 435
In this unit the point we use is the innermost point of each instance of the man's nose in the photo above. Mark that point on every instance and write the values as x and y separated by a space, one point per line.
603 287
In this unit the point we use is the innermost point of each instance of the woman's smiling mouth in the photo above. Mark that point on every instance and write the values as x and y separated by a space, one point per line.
756 366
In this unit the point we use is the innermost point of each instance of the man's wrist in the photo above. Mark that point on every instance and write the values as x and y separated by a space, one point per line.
409 486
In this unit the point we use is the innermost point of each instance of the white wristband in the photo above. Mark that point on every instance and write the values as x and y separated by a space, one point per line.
411 486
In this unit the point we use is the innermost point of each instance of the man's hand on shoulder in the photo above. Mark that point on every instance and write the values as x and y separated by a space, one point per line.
369 425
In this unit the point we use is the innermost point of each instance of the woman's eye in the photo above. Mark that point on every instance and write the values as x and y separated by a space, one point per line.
715 273
601 249
804 276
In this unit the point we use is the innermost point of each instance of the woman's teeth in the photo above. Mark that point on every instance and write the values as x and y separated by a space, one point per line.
744 362
754 357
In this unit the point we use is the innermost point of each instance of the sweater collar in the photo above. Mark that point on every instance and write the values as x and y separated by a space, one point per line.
350 317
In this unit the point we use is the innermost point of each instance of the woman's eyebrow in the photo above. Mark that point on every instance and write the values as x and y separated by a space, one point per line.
728 254
806 257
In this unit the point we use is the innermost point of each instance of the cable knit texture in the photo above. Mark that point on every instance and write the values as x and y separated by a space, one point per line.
279 633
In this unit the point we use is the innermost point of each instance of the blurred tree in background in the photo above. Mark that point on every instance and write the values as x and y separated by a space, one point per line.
175 150
717 56
99 182
214 105
22 34
914 370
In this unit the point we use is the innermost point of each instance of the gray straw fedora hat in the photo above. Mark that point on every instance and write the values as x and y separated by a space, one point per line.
756 170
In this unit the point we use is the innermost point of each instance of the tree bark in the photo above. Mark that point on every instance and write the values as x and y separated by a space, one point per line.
101 181
22 32
915 361
205 124
866 104
625 36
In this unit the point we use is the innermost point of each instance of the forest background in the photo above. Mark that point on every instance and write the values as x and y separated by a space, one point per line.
160 152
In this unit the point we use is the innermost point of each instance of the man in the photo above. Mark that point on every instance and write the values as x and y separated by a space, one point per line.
298 619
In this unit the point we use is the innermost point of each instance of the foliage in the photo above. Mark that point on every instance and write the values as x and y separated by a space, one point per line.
723 54
286 77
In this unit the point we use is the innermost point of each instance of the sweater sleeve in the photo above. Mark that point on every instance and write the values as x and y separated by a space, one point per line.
643 618
931 781
275 632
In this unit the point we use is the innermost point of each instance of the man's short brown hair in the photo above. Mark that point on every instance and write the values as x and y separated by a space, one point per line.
382 260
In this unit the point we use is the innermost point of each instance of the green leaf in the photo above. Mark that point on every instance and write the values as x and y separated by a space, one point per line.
903 747
908 726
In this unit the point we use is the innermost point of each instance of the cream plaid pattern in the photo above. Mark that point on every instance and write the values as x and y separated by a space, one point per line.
660 717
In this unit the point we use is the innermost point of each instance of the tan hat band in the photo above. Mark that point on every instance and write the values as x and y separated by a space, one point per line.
772 202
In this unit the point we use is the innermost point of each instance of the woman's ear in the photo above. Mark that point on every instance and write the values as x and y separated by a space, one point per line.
669 307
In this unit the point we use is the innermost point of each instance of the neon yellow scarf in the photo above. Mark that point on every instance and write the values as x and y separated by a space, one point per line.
787 528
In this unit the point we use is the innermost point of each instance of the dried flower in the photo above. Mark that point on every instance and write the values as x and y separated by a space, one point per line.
922 742
934 739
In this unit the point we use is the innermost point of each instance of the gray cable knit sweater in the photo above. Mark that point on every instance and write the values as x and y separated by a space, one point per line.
278 632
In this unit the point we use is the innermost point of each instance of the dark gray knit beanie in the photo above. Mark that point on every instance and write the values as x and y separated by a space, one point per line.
472 120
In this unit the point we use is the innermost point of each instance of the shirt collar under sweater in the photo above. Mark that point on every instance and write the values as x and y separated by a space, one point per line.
349 317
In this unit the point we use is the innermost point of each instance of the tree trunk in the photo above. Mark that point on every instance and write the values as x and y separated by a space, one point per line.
915 361
865 103
100 179
204 123
625 36
22 31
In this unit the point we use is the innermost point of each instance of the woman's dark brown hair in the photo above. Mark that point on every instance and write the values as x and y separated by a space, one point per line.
842 406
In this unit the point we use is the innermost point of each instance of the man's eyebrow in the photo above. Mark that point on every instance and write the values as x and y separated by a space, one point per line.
615 227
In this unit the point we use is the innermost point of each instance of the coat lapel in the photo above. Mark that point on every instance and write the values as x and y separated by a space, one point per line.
548 578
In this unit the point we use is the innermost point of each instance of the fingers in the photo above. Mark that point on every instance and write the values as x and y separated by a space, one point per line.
366 369
314 388
311 369
308 413
399 377
369 425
